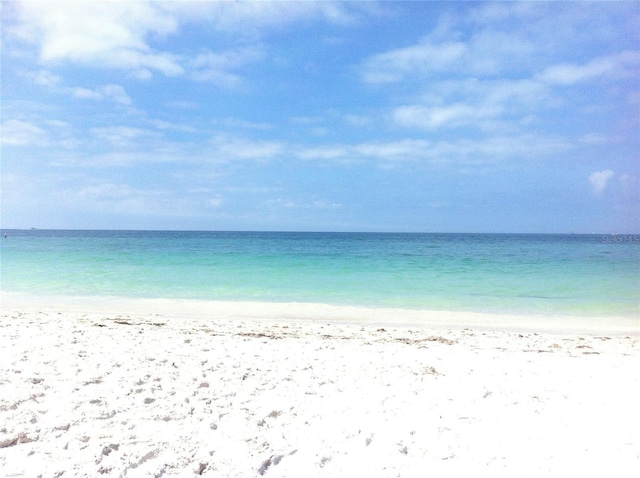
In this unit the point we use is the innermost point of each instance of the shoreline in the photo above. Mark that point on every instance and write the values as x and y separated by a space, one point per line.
308 311
163 388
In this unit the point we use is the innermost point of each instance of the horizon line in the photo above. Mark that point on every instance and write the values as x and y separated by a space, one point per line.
293 231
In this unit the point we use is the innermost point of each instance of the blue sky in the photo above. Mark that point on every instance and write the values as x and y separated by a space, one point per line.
343 116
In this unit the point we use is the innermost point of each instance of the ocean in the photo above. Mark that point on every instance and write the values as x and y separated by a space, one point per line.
547 274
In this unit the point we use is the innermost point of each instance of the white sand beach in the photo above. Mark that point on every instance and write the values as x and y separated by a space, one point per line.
151 388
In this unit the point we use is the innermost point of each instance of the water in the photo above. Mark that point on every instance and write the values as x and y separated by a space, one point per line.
496 273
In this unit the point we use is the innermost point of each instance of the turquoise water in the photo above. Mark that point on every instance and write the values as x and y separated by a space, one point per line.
503 273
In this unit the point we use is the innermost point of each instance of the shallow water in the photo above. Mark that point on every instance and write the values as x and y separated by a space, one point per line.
496 273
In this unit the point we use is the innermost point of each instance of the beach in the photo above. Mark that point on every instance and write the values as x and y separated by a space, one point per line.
148 388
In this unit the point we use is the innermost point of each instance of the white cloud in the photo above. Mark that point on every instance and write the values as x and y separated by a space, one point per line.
121 135
392 151
474 52
142 62
452 152
214 67
227 148
58 123
402 150
236 123
489 92
96 195
419 59
115 93
21 133
219 77
312 204
121 34
484 104
576 26
339 152
45 78
600 179
115 198
85 93
248 17
619 64
470 51
488 40
107 34
457 114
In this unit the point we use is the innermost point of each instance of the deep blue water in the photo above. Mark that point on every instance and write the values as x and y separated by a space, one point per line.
504 273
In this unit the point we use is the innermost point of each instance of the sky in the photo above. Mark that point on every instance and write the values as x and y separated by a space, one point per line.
321 116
